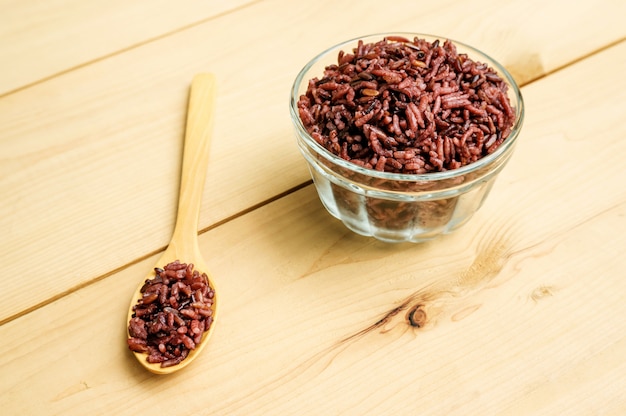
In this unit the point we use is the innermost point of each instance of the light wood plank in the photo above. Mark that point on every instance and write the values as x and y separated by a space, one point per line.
91 159
39 39
523 307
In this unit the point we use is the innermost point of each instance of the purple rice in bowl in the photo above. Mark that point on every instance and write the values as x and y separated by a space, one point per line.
404 133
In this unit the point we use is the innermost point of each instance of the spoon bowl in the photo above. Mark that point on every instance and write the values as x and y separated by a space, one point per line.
183 245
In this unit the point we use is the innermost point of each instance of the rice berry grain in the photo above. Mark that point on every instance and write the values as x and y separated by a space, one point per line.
407 106
172 315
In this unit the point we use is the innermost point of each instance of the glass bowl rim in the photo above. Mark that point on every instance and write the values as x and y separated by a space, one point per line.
413 177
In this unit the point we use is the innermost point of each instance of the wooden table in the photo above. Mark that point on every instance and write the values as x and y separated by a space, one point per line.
524 306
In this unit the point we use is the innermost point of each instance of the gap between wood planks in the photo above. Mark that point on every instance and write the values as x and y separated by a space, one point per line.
126 49
150 254
574 61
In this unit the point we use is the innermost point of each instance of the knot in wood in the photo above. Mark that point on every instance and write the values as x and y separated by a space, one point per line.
416 316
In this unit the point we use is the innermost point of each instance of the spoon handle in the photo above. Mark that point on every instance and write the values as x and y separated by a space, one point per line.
195 156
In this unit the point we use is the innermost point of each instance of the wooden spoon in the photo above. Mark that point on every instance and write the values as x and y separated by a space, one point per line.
184 243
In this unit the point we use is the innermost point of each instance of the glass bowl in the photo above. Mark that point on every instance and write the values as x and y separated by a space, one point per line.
395 207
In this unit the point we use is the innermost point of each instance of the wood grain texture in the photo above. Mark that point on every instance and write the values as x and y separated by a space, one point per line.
90 158
519 312
43 39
